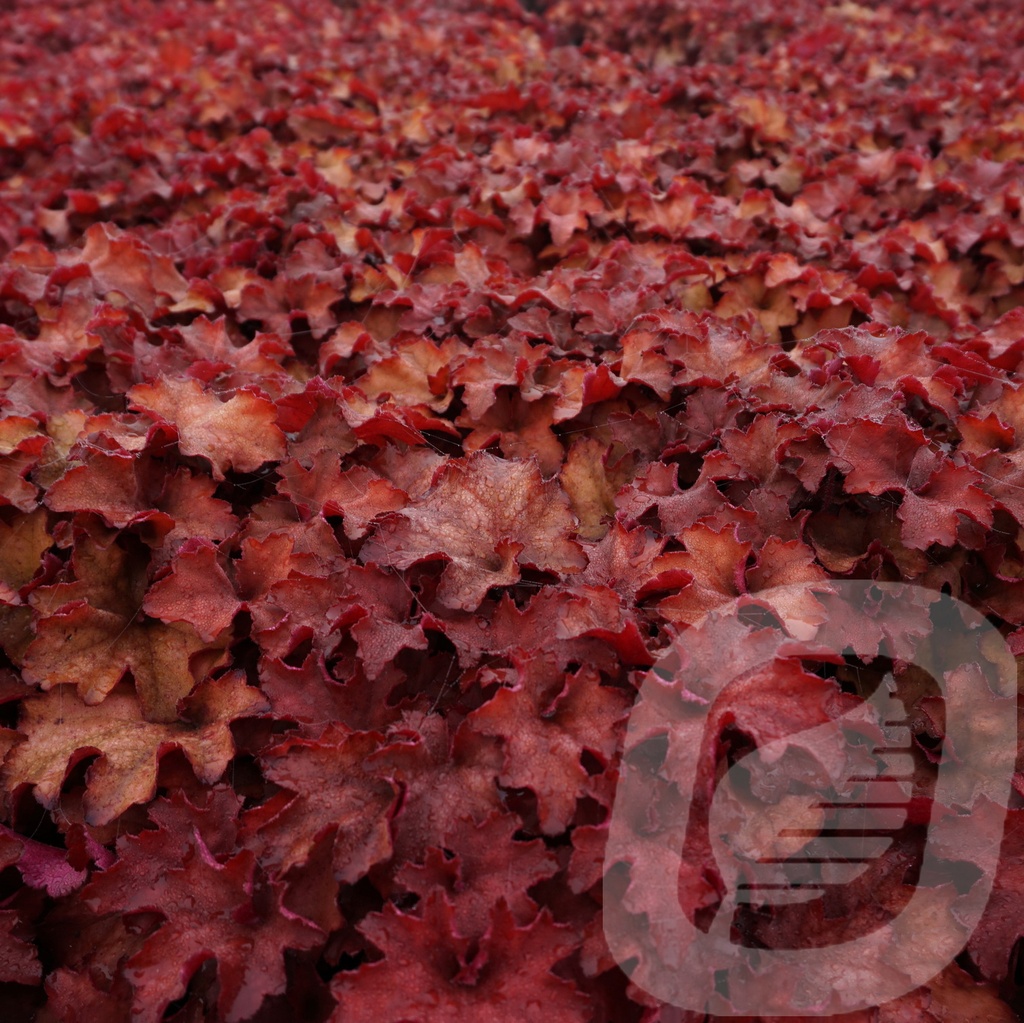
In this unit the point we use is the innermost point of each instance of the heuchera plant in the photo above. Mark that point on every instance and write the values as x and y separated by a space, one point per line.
383 388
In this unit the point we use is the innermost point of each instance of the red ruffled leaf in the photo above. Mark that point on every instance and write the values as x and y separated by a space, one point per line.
352 815
486 517
546 722
425 975
239 434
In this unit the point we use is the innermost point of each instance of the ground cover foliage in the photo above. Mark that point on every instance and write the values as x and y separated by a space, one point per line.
385 385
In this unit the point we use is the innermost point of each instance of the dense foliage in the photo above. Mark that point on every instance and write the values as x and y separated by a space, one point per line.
385 385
